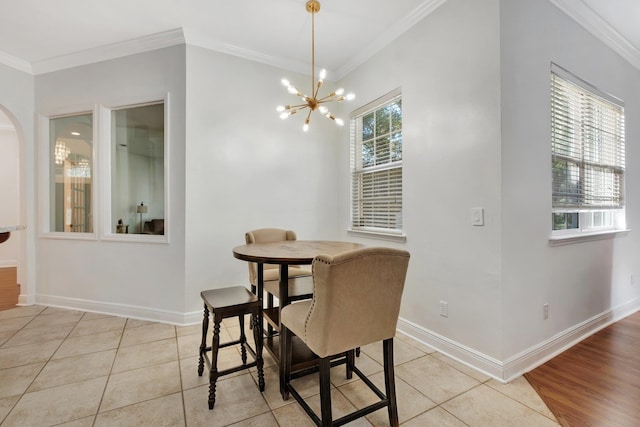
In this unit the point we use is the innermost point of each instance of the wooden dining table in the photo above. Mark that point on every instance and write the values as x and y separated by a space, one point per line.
284 254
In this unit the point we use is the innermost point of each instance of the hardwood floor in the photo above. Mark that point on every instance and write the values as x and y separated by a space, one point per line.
597 381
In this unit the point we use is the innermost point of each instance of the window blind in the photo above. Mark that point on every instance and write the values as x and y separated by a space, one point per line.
376 166
587 145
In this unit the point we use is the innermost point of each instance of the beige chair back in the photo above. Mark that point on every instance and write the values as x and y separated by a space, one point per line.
265 235
356 299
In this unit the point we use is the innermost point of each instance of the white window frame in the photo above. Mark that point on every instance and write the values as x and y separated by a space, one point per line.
101 171
107 153
44 169
590 216
357 170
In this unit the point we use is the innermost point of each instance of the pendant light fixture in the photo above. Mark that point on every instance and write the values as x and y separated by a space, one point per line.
312 102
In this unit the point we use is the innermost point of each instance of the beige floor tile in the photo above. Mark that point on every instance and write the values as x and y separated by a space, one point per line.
189 373
292 415
420 346
82 422
26 354
272 387
74 369
367 365
142 355
264 420
94 316
436 380
6 404
474 373
130 387
410 401
195 329
189 345
39 335
16 380
520 390
88 344
94 326
435 417
30 310
483 406
134 323
237 399
164 411
402 352
4 336
228 357
57 405
55 310
14 323
340 406
147 333
54 319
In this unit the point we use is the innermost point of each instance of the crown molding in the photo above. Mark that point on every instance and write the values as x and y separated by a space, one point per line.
592 22
389 35
194 39
14 62
111 51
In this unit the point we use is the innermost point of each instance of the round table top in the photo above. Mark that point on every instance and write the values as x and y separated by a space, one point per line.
291 251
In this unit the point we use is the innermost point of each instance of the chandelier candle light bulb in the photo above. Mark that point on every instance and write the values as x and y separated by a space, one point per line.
313 102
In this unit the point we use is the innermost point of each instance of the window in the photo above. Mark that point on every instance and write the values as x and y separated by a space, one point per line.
71 162
376 166
137 169
587 156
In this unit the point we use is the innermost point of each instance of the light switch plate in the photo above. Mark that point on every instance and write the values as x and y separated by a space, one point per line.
477 216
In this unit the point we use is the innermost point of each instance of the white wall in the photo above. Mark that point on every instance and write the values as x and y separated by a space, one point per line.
581 281
9 195
16 101
134 278
247 169
447 66
475 83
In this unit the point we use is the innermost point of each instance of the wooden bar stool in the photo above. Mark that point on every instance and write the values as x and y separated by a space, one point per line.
223 303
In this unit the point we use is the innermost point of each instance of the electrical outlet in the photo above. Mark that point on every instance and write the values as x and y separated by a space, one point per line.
546 311
444 309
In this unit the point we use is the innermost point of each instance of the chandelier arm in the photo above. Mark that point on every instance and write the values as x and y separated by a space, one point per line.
327 98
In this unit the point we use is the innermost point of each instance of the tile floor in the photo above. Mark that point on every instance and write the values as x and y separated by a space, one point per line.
71 368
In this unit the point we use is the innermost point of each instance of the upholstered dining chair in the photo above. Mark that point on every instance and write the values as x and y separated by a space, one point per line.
356 301
298 288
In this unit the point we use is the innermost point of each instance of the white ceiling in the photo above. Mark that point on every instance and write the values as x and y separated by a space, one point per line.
39 36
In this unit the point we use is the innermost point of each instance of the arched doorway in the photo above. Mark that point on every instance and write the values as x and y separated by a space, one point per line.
10 249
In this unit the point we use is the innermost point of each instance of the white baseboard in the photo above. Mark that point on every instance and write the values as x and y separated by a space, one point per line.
8 263
515 366
463 354
503 371
121 310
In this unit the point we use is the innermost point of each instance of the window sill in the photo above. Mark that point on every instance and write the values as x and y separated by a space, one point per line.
400 238
568 239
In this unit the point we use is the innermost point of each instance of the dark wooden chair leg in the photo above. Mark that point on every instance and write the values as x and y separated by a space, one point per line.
203 344
351 360
213 373
257 337
389 380
325 391
243 340
286 349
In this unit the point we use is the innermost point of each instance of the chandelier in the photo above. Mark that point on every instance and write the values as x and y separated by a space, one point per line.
60 152
312 102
